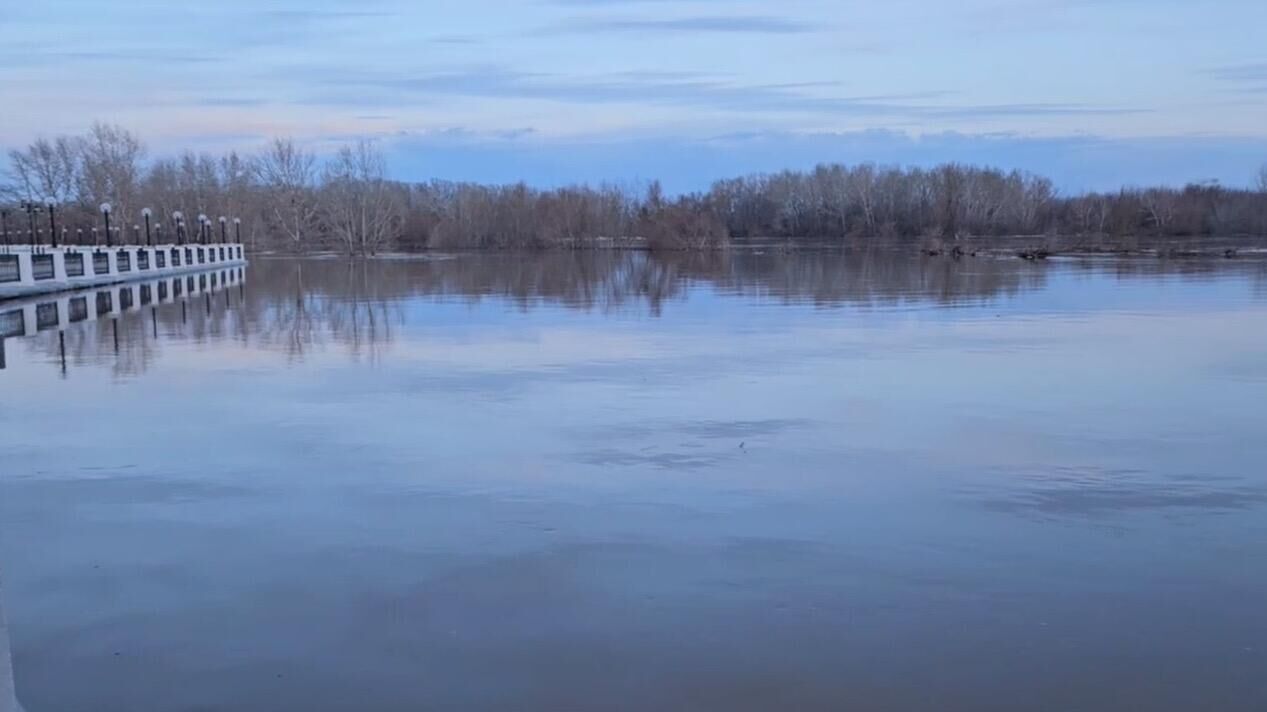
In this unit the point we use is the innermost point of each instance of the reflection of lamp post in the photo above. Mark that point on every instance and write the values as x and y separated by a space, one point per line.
105 213
223 223
52 226
8 696
179 219
149 240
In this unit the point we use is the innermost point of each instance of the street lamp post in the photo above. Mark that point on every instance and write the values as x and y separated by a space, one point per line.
4 226
179 219
149 240
237 230
52 225
31 210
202 228
105 213
223 223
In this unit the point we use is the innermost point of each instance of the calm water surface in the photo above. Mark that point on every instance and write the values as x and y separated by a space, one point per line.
744 482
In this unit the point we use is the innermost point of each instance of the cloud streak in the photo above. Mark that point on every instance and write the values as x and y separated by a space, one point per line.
677 89
695 25
1246 78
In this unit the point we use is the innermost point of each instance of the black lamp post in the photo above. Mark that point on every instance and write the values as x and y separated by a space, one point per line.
79 236
202 228
4 225
31 210
149 239
237 230
158 232
105 213
179 219
52 225
136 233
223 224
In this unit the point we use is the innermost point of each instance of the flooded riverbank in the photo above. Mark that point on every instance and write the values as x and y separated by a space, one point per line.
740 480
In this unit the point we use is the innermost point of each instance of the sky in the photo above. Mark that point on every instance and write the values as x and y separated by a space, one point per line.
1095 93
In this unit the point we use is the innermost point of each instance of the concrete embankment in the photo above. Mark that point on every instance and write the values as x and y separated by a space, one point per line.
28 270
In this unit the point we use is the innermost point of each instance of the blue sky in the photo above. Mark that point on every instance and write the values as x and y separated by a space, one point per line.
1093 92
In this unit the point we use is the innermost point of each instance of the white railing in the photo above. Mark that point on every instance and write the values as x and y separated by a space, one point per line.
26 270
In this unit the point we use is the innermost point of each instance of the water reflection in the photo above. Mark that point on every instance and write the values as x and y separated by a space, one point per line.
78 326
619 279
296 306
8 693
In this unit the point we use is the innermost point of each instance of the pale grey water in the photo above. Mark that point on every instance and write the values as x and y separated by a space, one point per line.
579 481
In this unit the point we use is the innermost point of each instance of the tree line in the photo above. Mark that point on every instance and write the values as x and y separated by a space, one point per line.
290 199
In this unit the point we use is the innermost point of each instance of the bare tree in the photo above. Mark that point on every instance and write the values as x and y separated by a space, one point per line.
111 170
288 175
1036 196
358 204
1159 206
46 171
862 185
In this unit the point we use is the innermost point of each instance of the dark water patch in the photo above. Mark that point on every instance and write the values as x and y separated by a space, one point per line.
112 486
1090 491
722 429
702 429
659 460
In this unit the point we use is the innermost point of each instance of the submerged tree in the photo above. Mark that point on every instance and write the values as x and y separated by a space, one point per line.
358 205
287 174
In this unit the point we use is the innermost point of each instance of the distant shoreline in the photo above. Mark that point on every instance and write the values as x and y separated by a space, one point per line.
285 197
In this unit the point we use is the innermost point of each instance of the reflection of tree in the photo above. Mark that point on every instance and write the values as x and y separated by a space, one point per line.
361 318
290 314
297 306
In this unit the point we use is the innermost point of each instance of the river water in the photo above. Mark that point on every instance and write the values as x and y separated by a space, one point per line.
564 481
